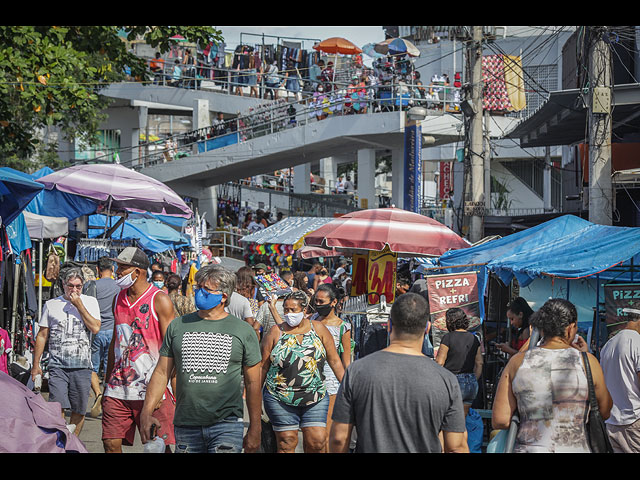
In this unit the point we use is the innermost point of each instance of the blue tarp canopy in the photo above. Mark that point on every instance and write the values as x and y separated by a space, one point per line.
160 231
564 247
16 191
126 231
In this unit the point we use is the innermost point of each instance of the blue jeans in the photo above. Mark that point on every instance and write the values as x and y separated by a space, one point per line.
223 437
286 417
468 387
100 349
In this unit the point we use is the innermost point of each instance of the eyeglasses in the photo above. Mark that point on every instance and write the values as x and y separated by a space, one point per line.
210 291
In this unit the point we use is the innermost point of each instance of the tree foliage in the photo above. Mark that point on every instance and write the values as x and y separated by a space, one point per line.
52 76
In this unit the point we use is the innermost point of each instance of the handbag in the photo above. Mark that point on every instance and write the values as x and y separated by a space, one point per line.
597 435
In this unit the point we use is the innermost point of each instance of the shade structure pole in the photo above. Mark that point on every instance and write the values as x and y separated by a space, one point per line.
40 278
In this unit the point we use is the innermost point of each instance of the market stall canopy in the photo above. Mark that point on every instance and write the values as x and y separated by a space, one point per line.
337 45
160 231
118 188
404 232
370 50
41 227
126 231
16 191
584 253
397 46
288 231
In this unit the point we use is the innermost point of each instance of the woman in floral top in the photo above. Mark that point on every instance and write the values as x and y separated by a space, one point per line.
293 356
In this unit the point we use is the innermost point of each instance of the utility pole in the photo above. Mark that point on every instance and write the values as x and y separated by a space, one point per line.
476 140
600 186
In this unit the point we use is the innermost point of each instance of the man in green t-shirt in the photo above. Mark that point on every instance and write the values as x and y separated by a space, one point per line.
210 351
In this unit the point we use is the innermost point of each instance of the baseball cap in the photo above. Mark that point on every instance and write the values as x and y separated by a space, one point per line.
260 266
132 256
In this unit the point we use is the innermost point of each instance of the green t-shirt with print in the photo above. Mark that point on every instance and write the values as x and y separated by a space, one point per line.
209 357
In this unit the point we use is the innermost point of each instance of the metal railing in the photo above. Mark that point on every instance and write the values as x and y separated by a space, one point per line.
230 242
281 115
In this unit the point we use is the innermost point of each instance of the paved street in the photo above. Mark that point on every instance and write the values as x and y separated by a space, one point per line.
92 432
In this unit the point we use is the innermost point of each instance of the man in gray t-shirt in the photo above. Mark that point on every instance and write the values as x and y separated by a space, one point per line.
240 307
397 399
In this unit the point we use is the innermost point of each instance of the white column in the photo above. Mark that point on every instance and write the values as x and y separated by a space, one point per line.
397 177
366 178
208 203
329 171
301 178
201 116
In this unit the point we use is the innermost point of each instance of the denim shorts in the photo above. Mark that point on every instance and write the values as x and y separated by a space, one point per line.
225 436
285 417
468 387
100 349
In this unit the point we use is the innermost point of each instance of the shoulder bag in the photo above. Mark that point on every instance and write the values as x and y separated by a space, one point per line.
596 429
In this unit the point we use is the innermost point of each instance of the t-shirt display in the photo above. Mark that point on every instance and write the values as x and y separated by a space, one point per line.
69 337
209 357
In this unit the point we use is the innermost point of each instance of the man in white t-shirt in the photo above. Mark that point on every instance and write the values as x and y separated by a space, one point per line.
68 322
620 360
240 307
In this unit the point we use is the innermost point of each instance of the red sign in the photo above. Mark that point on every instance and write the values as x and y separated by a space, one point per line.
359 277
446 180
382 276
449 291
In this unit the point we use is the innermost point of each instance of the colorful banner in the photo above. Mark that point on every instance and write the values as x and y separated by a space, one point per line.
453 290
381 278
412 167
616 298
359 264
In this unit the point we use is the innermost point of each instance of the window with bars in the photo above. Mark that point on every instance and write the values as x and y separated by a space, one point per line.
538 79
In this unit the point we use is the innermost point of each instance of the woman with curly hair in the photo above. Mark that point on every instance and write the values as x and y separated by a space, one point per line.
294 352
460 353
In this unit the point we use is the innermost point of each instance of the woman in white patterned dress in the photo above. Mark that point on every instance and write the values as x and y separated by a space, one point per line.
548 386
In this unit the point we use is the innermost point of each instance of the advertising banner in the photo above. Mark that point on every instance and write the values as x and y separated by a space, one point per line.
359 274
381 276
446 180
448 291
618 297
412 167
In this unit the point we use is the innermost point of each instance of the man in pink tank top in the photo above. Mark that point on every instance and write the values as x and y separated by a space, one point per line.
142 313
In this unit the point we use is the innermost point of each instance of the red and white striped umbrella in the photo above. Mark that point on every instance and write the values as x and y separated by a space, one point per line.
405 232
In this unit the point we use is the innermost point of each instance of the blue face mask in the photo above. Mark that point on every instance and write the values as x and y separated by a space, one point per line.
205 300
159 284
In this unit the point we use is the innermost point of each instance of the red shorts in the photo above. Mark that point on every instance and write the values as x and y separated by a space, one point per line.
121 417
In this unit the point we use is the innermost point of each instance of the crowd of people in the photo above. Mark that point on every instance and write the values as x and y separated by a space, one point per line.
181 364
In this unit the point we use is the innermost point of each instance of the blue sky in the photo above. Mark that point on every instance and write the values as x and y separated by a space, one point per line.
359 35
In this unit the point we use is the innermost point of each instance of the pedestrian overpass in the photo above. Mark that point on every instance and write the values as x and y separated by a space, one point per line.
282 139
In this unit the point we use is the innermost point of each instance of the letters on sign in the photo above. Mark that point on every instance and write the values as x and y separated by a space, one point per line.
359 283
617 297
382 276
449 291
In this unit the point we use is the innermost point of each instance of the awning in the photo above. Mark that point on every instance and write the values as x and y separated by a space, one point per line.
41 226
288 231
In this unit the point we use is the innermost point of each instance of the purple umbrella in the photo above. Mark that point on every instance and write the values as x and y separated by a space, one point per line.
29 424
118 188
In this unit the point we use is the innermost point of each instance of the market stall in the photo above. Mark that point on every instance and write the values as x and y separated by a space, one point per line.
276 245
376 239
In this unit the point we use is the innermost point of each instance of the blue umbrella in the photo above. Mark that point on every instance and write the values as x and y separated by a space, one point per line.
16 192
369 49
397 46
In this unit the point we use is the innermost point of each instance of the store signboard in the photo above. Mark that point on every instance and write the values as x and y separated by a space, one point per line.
381 276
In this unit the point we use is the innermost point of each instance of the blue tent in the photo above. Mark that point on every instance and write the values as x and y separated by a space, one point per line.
483 258
126 231
16 191
160 231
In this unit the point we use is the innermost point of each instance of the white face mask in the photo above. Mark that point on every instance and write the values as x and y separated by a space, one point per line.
293 319
126 281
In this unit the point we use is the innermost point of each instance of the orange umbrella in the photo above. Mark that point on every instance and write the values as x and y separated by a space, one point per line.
338 45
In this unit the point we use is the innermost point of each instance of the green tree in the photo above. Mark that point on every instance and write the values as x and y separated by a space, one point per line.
52 76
